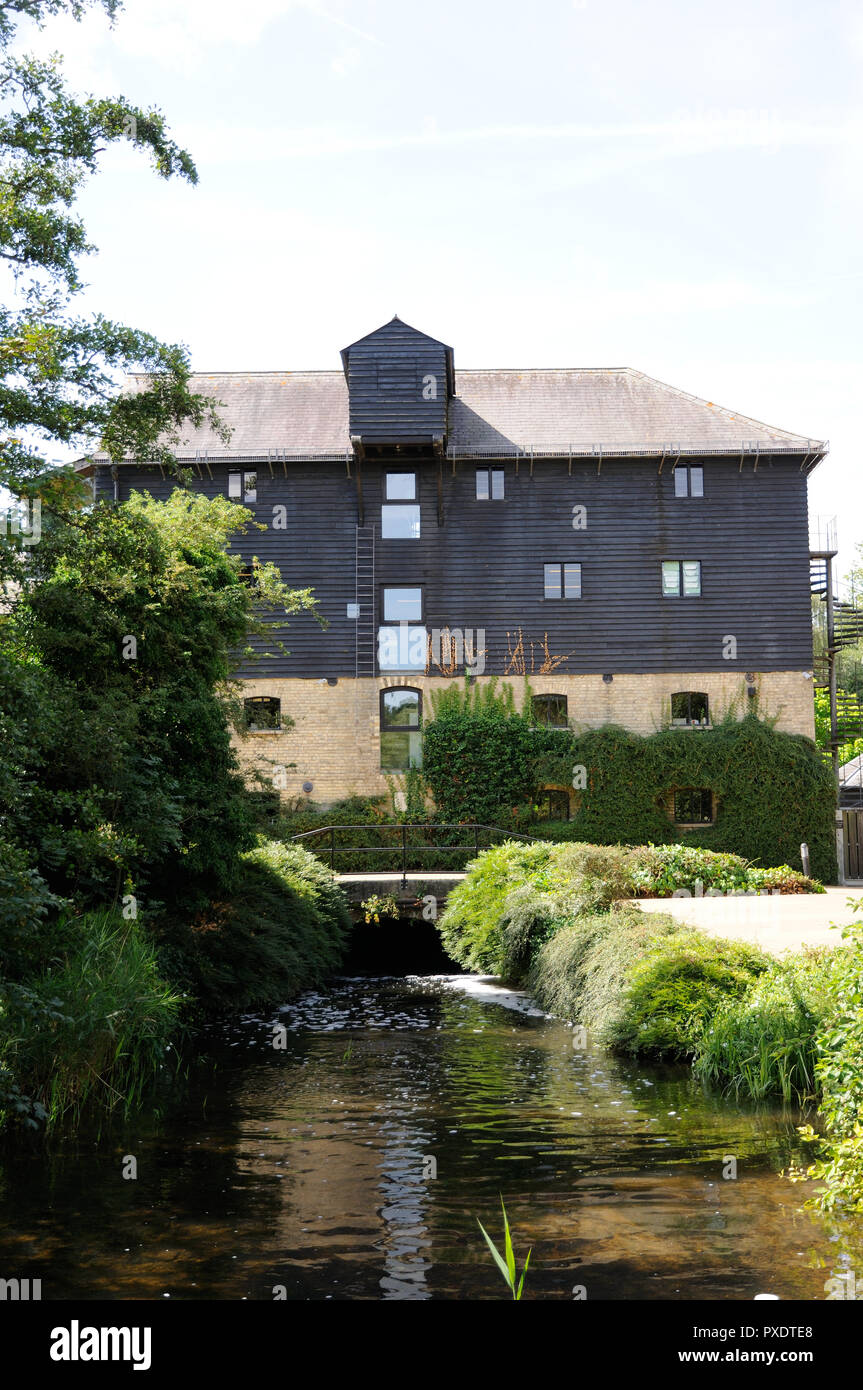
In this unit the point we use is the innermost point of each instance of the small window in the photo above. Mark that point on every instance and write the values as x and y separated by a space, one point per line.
401 737
562 580
553 805
550 711
681 577
263 713
693 806
400 523
489 484
243 487
403 605
689 709
689 480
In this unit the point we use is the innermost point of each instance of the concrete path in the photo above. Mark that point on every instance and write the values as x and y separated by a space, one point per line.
776 924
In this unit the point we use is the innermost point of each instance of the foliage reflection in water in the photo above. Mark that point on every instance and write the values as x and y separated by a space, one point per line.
354 1163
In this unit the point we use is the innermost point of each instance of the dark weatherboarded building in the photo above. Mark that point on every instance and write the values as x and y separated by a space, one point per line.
639 554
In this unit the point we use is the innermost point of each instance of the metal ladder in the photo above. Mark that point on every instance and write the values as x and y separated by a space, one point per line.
366 634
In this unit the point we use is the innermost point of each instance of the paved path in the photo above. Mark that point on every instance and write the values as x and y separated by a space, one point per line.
776 924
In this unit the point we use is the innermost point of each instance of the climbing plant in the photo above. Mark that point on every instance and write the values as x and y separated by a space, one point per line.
771 790
478 752
483 760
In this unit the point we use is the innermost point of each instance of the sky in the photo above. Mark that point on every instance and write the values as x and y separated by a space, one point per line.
676 187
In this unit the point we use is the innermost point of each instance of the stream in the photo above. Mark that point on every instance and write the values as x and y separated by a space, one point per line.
354 1161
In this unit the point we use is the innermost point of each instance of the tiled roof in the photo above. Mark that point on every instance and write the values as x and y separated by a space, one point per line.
580 410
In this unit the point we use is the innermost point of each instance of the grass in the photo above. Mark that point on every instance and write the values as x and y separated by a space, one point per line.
764 1043
97 1024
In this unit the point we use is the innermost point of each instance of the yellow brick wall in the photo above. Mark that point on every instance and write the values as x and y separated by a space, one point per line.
335 741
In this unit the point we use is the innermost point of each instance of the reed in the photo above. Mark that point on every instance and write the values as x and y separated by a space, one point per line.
506 1265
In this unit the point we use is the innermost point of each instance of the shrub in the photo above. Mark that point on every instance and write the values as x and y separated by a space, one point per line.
660 870
95 1024
840 1073
764 1043
478 753
580 973
675 989
285 929
772 790
471 926
517 895
25 908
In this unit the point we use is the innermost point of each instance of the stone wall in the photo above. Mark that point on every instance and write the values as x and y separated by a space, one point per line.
334 743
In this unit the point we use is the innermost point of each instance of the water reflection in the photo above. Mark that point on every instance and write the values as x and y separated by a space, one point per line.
354 1163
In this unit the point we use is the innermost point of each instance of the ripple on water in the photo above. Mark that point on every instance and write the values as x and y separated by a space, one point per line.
354 1163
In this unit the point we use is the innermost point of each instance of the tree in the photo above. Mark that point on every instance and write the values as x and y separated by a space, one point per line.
59 373
115 685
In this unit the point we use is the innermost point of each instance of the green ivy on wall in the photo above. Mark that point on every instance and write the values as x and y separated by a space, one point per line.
771 791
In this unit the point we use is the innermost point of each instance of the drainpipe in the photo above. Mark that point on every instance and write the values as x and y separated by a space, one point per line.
115 475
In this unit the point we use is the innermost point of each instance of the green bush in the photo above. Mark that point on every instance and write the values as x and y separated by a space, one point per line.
764 1043
478 753
96 1023
26 906
660 870
472 924
285 929
517 895
675 989
840 1074
580 973
772 789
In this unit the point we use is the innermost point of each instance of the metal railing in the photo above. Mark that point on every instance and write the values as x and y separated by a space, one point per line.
402 828
822 535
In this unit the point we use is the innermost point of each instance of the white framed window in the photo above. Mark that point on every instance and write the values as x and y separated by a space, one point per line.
489 484
681 578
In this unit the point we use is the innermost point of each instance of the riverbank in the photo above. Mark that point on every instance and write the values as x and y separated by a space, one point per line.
645 984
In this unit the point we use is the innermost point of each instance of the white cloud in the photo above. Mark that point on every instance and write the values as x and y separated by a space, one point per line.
684 133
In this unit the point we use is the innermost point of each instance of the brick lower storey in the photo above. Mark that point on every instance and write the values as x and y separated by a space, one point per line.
334 743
